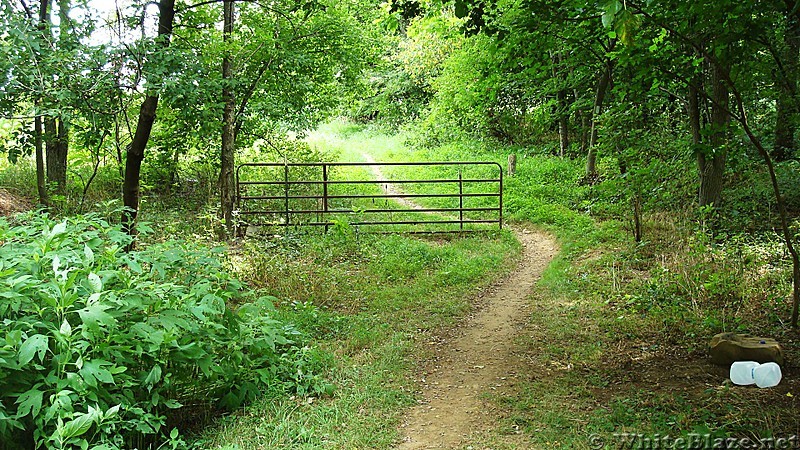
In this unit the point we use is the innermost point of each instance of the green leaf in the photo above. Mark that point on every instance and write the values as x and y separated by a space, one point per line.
34 345
153 377
608 19
93 371
75 427
57 230
66 328
93 299
134 265
88 253
113 411
95 282
95 315
172 404
30 402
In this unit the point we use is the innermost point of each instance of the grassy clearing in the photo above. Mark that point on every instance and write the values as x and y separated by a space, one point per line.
369 302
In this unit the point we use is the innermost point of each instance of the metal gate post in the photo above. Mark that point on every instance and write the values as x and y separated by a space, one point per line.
325 195
500 200
238 201
460 200
286 189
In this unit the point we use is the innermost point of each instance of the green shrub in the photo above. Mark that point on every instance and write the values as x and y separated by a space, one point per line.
100 345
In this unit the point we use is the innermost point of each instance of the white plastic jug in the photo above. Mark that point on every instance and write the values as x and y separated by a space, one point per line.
742 372
767 375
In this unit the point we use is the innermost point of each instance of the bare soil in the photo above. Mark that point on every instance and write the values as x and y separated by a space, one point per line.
388 188
482 357
11 204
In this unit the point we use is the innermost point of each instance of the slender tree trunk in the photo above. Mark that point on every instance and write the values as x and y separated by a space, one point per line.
563 133
62 124
56 135
51 150
147 115
50 124
786 105
583 119
227 185
563 122
779 200
600 95
41 185
582 124
562 109
712 166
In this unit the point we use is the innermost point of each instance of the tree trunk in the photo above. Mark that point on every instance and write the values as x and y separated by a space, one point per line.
786 105
600 95
581 123
563 134
779 201
41 185
711 165
62 135
583 119
57 149
56 154
147 115
56 135
562 110
227 186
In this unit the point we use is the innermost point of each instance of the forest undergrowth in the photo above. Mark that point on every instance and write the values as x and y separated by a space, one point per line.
621 346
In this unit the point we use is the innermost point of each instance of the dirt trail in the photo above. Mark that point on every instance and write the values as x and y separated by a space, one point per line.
388 188
480 358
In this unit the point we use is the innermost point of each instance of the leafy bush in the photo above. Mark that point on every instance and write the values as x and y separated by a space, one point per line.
100 345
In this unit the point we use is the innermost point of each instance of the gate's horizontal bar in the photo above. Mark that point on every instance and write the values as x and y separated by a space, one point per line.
345 164
283 183
320 197
404 222
351 211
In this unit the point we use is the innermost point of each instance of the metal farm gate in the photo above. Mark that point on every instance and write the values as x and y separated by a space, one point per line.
458 197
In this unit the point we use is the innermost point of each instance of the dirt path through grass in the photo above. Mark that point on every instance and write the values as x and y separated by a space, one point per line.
481 357
388 188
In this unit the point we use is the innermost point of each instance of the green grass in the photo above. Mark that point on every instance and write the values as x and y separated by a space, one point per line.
369 302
